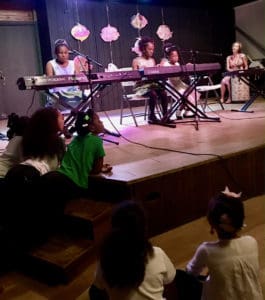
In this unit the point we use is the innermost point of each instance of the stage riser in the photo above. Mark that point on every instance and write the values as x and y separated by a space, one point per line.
182 195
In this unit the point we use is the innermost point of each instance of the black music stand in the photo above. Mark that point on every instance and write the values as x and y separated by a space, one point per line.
256 92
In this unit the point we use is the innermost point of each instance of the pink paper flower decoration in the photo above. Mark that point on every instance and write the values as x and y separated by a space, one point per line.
80 32
109 33
164 32
135 48
138 21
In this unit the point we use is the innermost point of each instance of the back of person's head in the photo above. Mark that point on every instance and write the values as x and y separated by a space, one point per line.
129 216
41 137
144 41
168 48
125 250
226 214
16 124
83 122
59 43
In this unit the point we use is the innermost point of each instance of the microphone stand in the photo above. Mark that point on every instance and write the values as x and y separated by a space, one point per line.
89 77
88 74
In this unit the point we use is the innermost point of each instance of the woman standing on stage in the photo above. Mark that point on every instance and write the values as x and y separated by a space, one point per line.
149 88
236 61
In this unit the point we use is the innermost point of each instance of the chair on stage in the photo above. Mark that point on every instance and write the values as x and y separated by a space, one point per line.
205 89
129 97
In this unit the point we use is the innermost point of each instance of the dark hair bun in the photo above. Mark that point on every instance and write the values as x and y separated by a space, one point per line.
169 47
83 120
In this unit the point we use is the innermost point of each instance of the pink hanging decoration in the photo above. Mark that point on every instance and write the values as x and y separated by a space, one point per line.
164 32
80 32
135 48
138 21
109 33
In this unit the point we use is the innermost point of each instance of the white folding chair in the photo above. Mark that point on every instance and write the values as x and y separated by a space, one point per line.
129 97
206 89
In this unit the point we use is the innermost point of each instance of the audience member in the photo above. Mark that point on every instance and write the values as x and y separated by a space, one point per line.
232 261
129 266
12 155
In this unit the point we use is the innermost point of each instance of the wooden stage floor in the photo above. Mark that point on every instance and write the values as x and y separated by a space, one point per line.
174 171
184 145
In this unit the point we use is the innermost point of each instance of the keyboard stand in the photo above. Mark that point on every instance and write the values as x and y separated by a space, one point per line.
182 102
256 93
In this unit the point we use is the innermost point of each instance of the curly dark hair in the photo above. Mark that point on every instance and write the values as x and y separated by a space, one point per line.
232 207
144 41
41 137
125 250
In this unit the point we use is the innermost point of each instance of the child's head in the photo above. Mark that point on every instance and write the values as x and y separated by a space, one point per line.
16 124
129 217
87 122
226 214
171 53
126 247
61 49
147 46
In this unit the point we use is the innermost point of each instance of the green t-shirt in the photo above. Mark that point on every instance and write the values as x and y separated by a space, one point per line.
80 156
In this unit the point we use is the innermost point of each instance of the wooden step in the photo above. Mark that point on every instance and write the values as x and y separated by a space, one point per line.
63 255
89 218
59 259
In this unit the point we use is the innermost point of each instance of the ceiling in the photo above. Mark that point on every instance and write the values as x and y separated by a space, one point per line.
191 3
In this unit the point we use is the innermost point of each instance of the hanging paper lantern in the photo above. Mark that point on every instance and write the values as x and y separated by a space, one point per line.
138 21
109 33
80 32
164 32
135 48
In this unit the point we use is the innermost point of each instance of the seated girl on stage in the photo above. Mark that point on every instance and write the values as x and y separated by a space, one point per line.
149 88
172 59
62 65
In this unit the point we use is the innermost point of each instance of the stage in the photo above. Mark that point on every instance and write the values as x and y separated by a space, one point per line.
174 171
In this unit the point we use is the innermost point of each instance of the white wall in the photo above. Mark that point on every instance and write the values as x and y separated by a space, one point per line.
250 18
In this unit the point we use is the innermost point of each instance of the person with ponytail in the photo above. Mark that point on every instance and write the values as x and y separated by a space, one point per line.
129 266
148 87
84 156
231 260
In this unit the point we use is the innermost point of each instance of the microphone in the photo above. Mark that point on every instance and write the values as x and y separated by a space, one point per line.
85 56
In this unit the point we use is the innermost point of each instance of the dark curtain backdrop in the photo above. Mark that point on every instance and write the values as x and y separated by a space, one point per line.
201 29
